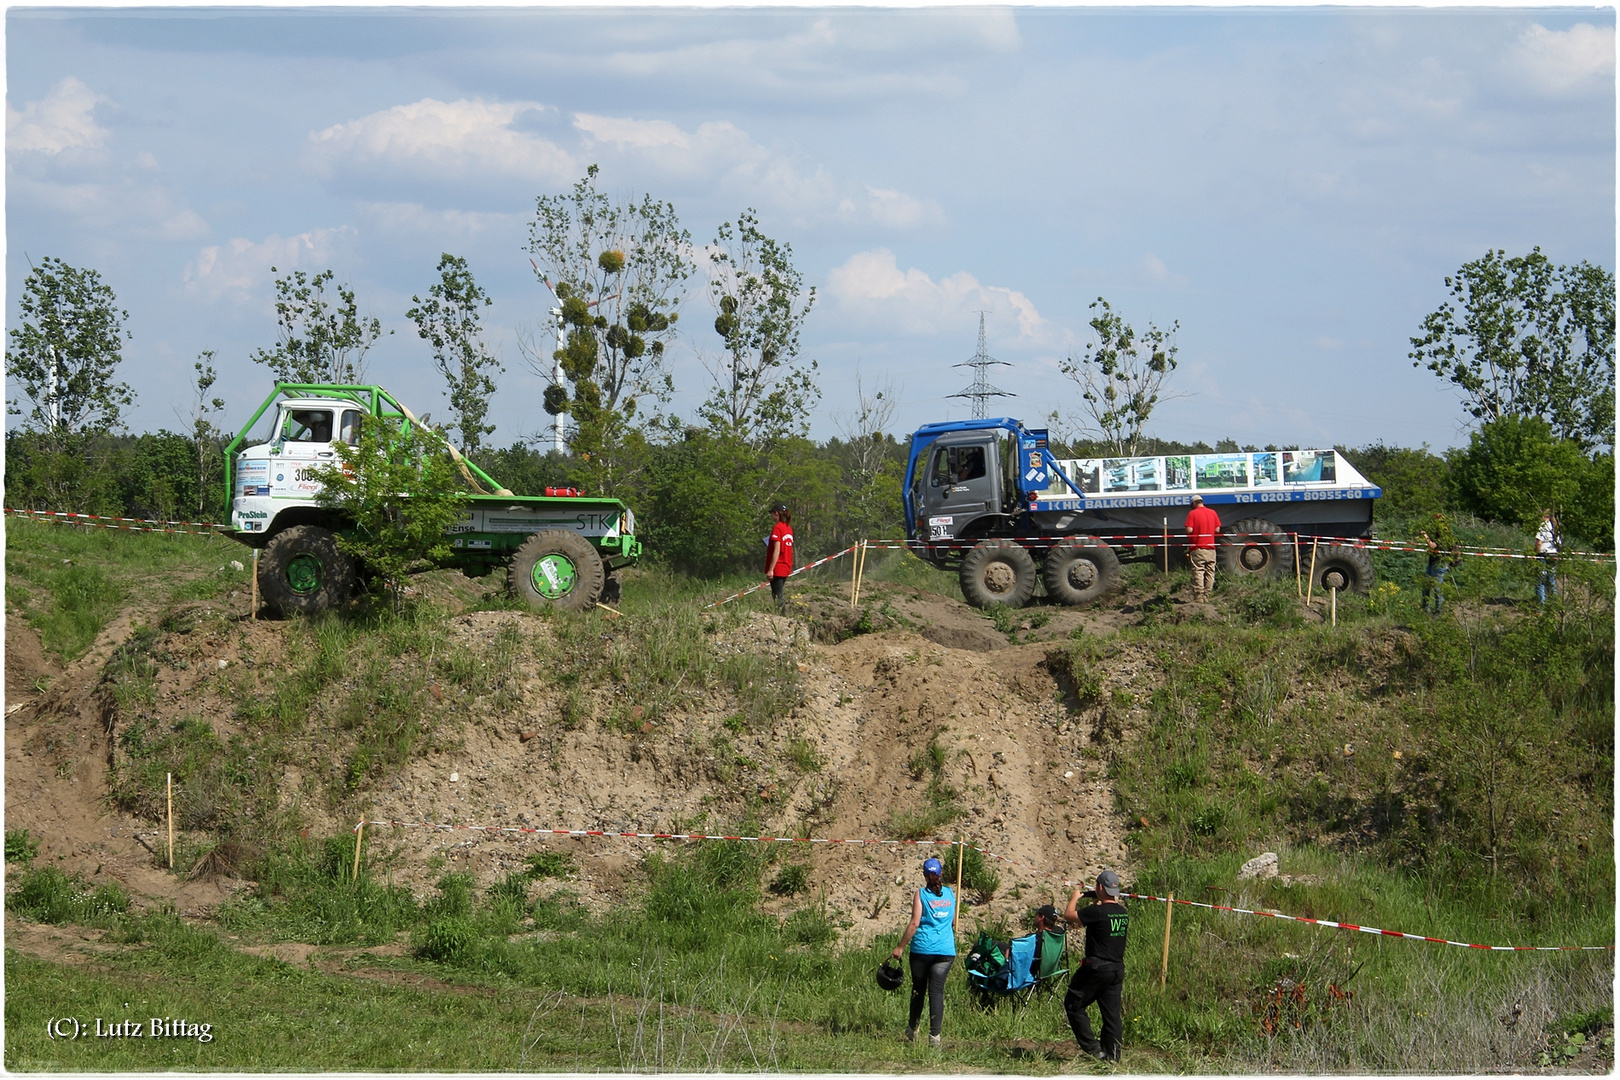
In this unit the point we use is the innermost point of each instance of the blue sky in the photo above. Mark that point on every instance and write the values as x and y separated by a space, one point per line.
1291 185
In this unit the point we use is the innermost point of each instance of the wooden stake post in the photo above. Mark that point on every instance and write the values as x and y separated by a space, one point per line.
1164 963
359 834
1333 605
1167 545
253 611
1312 584
1299 588
168 788
961 847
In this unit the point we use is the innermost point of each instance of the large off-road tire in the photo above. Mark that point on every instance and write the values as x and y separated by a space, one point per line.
1254 547
998 572
1348 569
301 571
1080 570
556 569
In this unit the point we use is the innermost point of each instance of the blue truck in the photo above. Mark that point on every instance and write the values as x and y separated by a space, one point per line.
987 498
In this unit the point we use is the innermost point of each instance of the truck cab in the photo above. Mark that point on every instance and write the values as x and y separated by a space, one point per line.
269 475
962 481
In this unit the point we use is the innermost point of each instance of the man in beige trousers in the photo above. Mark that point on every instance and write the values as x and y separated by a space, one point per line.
1202 525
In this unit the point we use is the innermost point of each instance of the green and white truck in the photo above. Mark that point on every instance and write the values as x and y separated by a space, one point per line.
560 550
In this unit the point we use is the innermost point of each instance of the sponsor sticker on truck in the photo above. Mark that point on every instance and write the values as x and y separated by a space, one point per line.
252 478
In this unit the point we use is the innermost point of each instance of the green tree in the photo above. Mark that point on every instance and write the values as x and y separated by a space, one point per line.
873 464
1516 466
760 392
618 271
320 339
206 435
448 320
402 490
1522 337
1122 375
65 352
1414 481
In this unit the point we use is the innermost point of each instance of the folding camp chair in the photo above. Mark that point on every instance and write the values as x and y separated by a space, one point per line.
994 974
1051 962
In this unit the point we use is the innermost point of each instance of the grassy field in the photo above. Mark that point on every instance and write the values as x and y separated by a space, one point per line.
1450 776
69 581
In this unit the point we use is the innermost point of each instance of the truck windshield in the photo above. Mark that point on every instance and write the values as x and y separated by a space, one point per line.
308 425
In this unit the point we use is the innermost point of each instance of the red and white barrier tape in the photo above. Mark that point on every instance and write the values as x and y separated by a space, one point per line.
1180 541
1374 929
796 573
193 528
609 833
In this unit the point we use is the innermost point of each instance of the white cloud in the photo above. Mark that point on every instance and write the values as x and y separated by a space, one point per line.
140 211
1563 60
455 139
61 121
870 285
393 218
241 267
720 153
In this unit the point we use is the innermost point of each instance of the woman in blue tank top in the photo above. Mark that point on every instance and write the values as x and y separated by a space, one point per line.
932 936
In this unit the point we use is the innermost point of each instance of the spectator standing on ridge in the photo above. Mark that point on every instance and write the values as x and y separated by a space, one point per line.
1547 539
1102 972
779 554
1202 525
932 935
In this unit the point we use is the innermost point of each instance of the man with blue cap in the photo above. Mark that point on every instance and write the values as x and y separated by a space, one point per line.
932 935
1102 972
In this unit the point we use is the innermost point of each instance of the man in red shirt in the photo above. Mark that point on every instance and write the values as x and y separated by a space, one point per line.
1202 525
779 554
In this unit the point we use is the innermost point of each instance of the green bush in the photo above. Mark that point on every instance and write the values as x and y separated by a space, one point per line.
48 895
550 864
20 847
446 938
977 873
791 880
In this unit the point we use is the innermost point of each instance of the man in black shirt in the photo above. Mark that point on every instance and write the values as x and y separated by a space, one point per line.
1102 972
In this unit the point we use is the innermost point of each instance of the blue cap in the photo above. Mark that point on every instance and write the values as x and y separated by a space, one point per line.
933 866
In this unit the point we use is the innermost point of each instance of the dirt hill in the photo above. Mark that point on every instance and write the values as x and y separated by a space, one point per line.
1025 768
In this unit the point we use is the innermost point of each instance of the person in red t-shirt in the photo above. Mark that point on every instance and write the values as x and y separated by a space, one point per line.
1202 525
779 554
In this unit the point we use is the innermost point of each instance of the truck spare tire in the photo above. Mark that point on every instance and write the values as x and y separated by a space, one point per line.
998 572
1080 570
556 569
1254 546
302 571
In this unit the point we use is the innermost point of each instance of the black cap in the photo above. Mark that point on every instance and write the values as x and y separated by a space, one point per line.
1047 912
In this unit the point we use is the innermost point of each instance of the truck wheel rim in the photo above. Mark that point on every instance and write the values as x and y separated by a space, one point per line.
1254 558
1334 579
999 577
554 576
304 574
1082 574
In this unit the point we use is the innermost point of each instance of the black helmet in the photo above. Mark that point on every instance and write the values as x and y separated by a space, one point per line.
889 975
